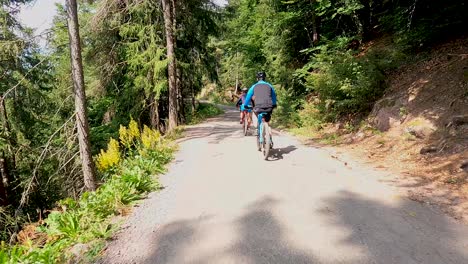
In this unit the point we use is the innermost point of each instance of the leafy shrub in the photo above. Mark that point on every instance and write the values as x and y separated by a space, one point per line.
310 116
345 82
64 224
87 220
286 115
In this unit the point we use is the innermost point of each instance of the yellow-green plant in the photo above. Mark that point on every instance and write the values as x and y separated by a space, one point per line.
150 138
110 157
128 135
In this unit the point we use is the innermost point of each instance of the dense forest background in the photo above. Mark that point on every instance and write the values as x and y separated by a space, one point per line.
148 61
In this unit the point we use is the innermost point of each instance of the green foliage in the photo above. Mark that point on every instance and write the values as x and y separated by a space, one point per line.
419 24
286 115
203 111
88 220
310 117
144 46
346 83
314 50
217 98
35 132
124 60
8 223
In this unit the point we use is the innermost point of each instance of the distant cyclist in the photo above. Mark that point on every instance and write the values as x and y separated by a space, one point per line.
264 95
242 108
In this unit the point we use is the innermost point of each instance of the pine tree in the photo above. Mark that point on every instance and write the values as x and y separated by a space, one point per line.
172 66
80 96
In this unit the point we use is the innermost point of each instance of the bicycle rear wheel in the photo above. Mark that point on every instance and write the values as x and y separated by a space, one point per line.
259 132
266 140
259 147
246 124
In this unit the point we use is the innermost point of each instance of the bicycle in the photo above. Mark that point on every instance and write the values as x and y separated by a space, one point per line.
246 123
264 138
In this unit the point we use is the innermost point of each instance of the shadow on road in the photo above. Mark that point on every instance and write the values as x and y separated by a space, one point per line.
277 153
262 239
409 233
172 239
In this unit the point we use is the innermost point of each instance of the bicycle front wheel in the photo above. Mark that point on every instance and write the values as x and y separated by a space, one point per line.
259 146
266 140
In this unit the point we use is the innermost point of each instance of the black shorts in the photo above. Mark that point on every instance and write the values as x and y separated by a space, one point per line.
267 111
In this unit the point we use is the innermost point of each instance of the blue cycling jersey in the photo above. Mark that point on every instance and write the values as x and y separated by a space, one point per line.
241 101
264 98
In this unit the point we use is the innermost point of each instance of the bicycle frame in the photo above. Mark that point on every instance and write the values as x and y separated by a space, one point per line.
260 127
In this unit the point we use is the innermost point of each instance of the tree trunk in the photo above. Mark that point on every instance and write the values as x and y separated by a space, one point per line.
154 112
365 15
315 30
193 98
6 125
3 181
180 103
315 26
359 26
7 177
182 109
315 33
80 96
168 25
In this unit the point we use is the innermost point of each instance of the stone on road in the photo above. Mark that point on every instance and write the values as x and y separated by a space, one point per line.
222 203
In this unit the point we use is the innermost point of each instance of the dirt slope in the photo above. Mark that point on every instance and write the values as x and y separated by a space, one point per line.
422 126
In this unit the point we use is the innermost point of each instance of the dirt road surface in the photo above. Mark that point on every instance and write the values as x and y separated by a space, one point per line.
222 203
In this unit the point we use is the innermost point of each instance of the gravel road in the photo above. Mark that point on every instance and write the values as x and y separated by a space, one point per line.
222 203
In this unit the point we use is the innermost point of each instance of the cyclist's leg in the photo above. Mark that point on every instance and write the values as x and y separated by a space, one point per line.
259 124
241 116
249 118
267 119
246 116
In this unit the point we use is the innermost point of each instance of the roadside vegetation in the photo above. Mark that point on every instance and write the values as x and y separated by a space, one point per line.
76 229
330 61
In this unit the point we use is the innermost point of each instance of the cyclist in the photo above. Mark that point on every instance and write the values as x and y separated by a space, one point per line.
264 95
242 108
